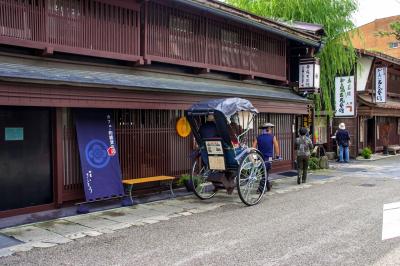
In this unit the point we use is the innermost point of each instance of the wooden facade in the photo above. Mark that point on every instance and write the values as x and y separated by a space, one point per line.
92 28
193 39
152 31
149 146
376 124
139 34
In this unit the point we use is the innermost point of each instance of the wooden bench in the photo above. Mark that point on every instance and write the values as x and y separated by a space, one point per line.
393 148
130 182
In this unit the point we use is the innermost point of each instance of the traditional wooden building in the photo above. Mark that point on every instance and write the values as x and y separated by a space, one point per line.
147 61
376 121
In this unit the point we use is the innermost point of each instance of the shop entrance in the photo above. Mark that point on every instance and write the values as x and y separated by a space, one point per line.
25 156
371 133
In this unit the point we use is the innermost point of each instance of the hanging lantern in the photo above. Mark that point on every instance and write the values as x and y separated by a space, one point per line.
183 128
309 76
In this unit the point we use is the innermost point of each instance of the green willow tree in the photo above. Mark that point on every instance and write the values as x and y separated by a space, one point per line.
337 56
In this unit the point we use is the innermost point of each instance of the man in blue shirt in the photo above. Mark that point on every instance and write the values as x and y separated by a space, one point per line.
267 144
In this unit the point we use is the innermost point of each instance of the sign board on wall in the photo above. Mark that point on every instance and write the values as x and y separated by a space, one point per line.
308 118
13 133
344 96
380 84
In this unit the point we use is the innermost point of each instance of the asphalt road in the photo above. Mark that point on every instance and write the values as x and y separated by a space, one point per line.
338 223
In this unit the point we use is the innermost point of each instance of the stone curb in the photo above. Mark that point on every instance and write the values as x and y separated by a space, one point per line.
382 157
36 236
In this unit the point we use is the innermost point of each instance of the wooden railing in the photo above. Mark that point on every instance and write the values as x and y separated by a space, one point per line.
85 27
112 29
183 37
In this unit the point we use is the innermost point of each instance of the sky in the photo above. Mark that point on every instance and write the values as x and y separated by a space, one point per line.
369 10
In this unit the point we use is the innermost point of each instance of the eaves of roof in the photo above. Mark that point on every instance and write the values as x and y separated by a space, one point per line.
390 104
18 72
381 56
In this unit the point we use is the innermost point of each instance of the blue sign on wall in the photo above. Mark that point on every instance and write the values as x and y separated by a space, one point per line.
98 151
13 133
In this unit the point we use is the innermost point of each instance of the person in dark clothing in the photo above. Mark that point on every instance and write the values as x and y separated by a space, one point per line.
343 141
304 147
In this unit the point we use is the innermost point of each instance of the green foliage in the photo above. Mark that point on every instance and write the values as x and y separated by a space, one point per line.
182 179
313 163
338 56
366 153
395 31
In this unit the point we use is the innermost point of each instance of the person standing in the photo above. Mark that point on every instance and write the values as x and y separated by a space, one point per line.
343 141
304 146
267 144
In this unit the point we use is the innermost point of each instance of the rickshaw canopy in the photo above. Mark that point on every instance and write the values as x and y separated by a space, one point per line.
227 106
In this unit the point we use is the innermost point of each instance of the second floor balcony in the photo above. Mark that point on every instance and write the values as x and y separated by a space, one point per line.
193 39
86 27
144 31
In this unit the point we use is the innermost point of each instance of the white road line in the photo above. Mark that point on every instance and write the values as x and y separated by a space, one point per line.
391 220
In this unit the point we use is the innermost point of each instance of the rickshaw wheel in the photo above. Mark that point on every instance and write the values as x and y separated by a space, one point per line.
202 188
251 178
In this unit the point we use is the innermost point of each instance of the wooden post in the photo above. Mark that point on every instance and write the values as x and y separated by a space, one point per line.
375 133
58 157
357 122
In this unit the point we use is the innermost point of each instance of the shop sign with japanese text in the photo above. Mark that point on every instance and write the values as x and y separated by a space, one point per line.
380 86
309 76
101 170
344 96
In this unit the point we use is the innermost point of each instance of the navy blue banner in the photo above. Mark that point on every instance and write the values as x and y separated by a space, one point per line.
98 151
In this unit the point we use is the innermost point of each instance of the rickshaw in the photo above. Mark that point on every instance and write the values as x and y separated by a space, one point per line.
223 159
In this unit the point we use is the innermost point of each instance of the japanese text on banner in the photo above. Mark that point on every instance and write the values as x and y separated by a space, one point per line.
380 86
344 96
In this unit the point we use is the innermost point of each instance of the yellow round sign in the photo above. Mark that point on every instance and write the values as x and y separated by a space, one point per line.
183 128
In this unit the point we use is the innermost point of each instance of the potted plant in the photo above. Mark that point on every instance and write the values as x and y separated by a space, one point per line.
366 153
313 163
185 180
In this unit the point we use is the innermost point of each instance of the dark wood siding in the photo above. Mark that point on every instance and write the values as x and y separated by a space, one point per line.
149 145
72 96
86 27
185 37
388 132
171 34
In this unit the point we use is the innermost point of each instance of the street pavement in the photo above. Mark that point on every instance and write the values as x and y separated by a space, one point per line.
334 219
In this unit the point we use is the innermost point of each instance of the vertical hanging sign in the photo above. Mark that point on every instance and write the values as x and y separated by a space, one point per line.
309 75
98 152
344 96
306 76
380 86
